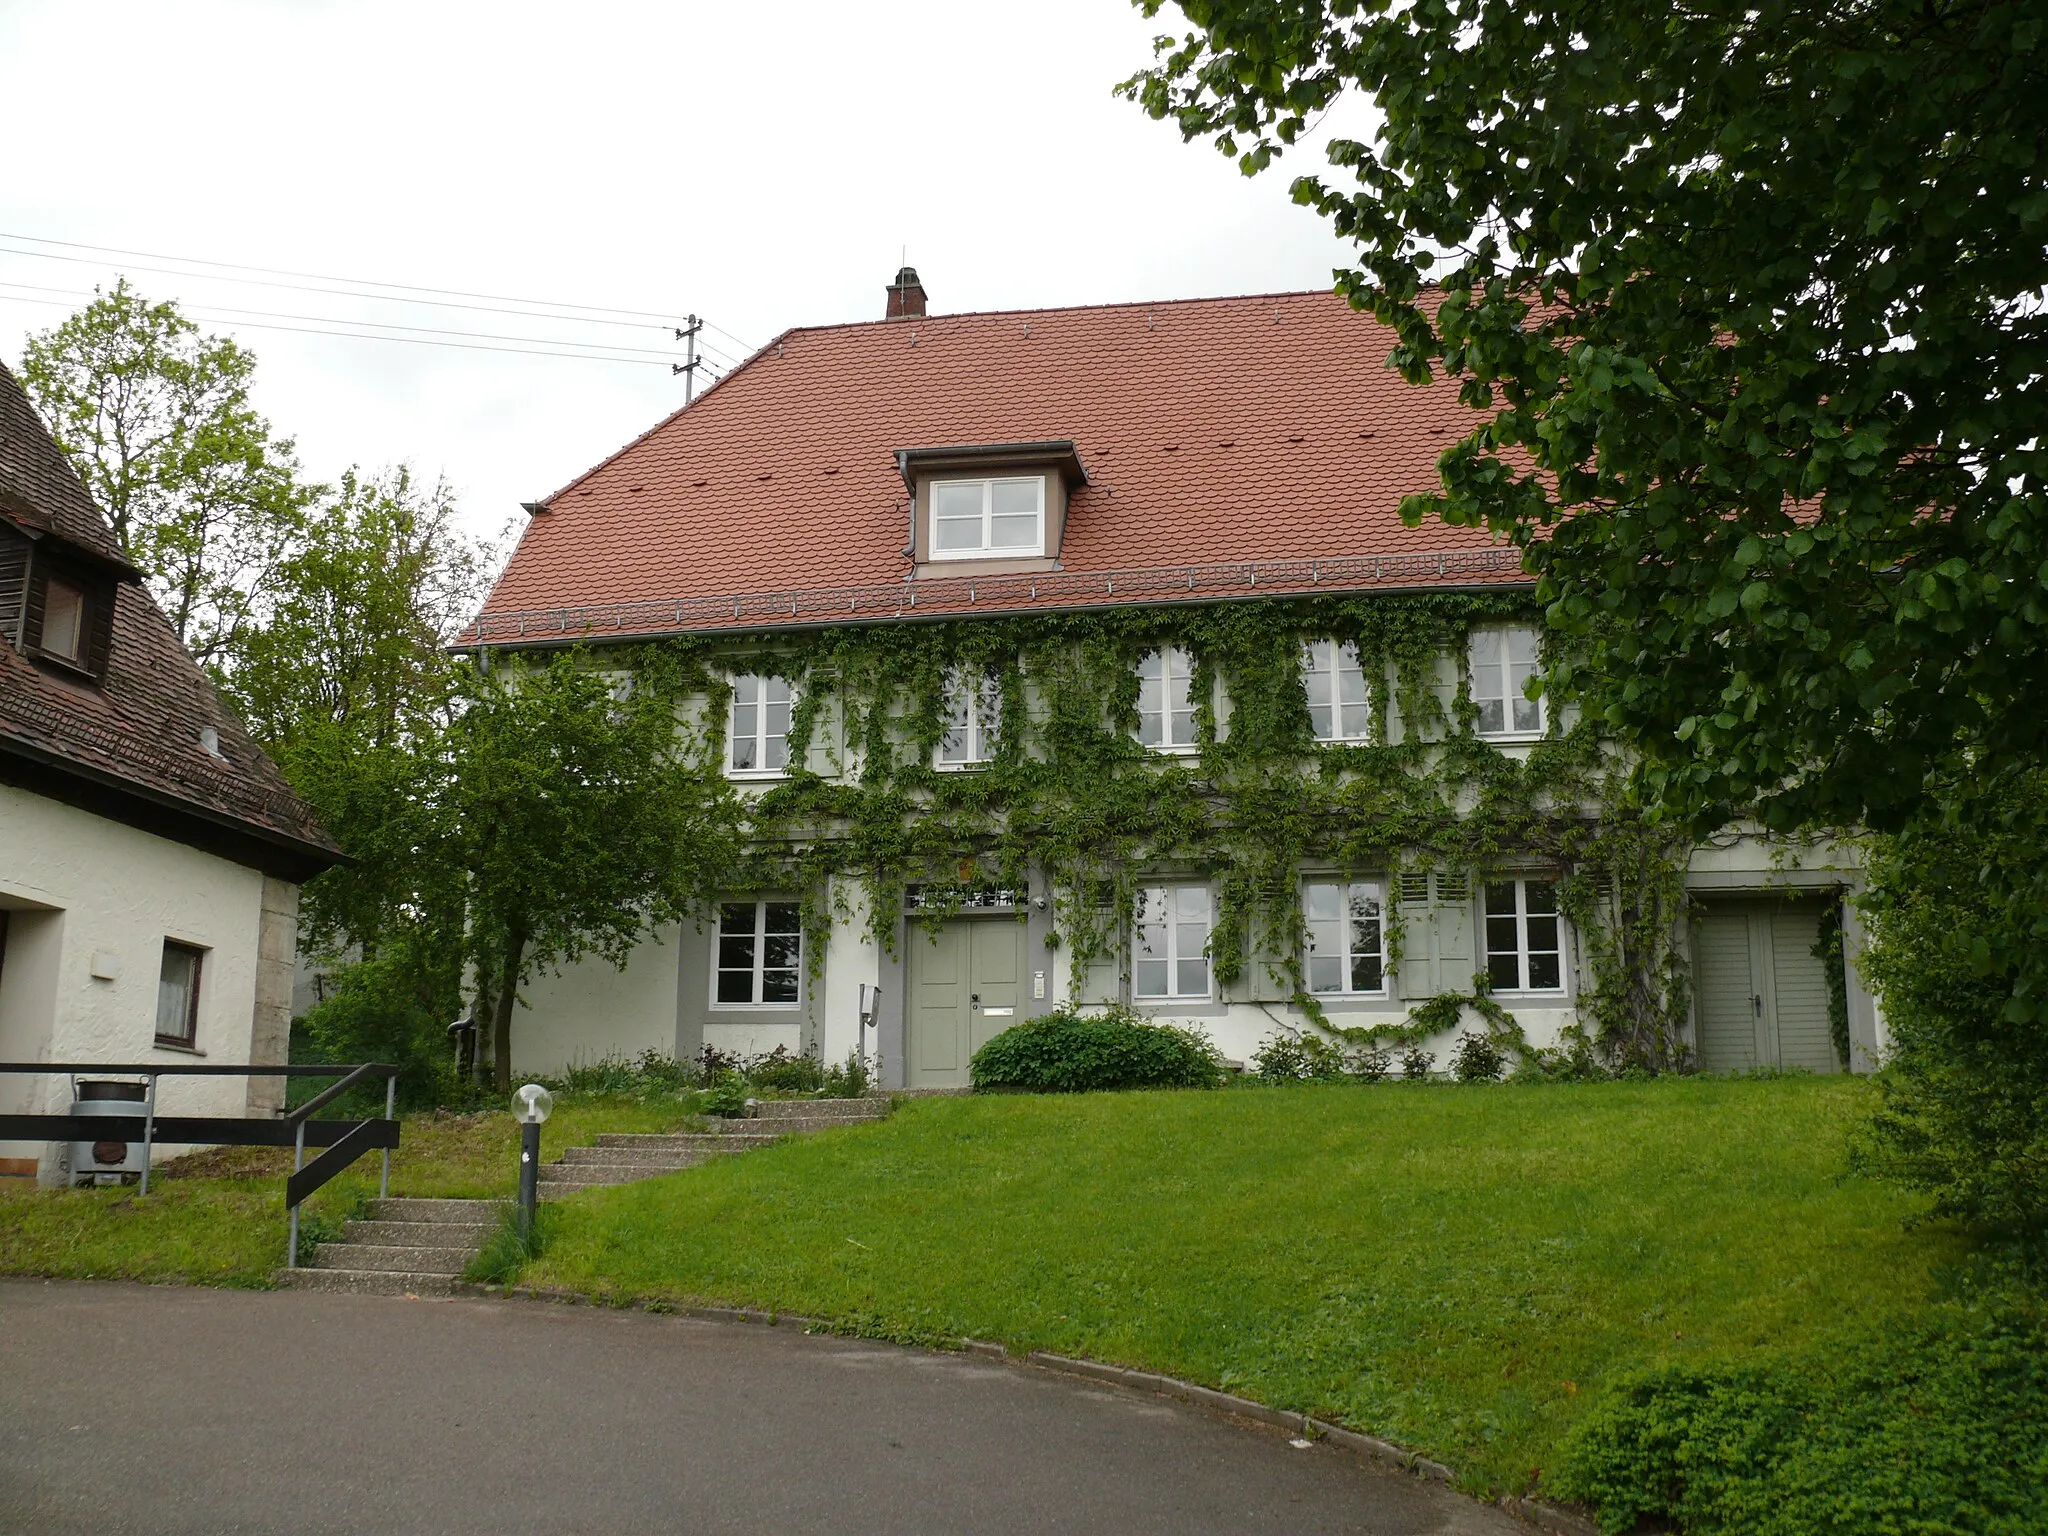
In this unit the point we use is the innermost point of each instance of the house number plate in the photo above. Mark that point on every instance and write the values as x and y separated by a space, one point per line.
999 1013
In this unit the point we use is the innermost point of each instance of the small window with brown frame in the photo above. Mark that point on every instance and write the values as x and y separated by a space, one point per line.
177 994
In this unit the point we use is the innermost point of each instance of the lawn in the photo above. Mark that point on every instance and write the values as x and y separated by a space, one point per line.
218 1218
1458 1269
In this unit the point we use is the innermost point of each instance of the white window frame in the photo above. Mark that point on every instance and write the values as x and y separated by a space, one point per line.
1500 679
986 549
973 706
758 967
1176 666
1522 918
760 687
1325 667
1346 890
1176 902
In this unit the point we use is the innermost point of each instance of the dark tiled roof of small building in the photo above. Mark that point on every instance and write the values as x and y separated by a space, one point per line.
1229 443
141 726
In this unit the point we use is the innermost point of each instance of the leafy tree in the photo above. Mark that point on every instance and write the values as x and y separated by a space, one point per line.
348 685
1749 298
1748 301
579 824
157 419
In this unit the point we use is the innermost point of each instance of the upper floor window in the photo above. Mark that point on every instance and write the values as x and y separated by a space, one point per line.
973 519
760 954
1170 942
1503 661
974 718
1346 937
1339 707
757 734
1166 703
1522 949
64 623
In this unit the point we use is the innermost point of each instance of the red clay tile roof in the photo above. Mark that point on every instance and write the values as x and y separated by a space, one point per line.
1231 444
138 733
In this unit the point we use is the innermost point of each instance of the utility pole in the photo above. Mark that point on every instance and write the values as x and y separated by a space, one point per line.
688 368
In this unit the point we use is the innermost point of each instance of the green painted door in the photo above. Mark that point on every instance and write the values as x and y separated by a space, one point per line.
1762 994
965 986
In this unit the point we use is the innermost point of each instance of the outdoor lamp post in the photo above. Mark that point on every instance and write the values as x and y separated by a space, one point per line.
532 1105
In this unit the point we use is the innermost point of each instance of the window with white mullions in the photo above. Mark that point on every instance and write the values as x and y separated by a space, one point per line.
757 731
1502 662
760 954
1346 937
1170 942
1523 953
1339 707
1166 702
973 519
974 718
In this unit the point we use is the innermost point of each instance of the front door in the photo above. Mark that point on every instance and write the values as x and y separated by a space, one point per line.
964 988
1763 993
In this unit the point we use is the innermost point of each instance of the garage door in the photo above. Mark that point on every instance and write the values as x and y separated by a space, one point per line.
1762 994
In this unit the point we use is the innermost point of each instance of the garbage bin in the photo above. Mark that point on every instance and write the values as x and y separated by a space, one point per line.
107 1161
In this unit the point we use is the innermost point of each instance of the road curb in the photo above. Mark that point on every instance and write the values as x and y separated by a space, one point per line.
1552 1519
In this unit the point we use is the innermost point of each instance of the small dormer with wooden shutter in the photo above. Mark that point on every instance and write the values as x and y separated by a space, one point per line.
57 601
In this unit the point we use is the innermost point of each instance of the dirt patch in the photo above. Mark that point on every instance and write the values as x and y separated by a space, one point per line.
228 1163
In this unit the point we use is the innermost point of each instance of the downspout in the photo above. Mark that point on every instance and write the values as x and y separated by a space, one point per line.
909 486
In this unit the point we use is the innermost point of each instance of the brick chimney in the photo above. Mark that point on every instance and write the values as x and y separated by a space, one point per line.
906 296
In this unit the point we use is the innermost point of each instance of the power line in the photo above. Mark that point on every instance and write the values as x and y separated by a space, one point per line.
535 311
385 325
416 341
644 316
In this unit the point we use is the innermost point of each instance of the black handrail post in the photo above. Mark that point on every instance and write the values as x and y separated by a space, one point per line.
291 1258
390 1113
148 1133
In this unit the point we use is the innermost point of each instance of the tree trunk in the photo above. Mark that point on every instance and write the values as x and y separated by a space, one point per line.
501 1024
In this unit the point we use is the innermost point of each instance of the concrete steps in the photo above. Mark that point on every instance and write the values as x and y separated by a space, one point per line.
618 1158
404 1248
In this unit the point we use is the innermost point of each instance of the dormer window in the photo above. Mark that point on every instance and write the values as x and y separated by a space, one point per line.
984 519
64 623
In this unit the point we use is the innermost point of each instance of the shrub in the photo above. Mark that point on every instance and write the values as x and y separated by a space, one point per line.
1298 1058
1371 1066
1958 943
1477 1058
848 1081
1067 1051
1417 1064
780 1072
1940 1428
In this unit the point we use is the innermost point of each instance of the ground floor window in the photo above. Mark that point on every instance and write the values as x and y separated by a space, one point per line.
1522 950
760 954
177 994
1346 937
1170 942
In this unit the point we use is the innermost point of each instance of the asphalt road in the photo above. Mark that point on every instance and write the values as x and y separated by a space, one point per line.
136 1409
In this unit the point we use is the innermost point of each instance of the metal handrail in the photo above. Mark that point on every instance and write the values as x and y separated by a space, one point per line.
358 1137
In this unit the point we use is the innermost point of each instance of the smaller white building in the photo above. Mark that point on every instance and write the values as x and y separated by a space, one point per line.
150 854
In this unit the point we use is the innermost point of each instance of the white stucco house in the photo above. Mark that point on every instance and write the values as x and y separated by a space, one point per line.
1005 491
150 854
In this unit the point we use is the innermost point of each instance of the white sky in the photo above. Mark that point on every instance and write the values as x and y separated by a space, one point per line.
761 165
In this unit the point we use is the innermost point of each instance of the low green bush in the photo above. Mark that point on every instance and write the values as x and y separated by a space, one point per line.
1942 1428
1067 1051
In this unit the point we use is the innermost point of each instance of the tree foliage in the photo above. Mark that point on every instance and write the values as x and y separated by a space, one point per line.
157 418
1749 298
578 823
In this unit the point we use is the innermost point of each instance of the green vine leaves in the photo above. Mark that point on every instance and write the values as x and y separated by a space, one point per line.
1068 793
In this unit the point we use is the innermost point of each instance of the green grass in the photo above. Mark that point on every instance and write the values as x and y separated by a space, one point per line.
1459 1269
218 1218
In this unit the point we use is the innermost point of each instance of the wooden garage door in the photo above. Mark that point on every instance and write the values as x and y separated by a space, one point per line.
1762 994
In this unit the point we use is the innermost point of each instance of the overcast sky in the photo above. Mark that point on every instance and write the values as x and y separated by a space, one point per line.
761 165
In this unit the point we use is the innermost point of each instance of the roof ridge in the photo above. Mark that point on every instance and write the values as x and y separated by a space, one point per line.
1065 309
